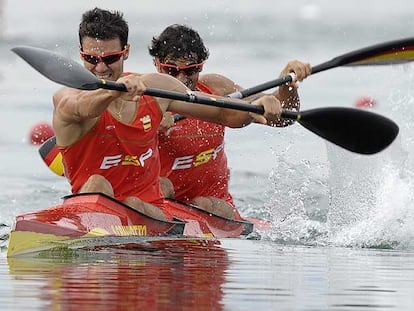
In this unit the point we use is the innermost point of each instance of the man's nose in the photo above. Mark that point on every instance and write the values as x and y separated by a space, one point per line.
101 66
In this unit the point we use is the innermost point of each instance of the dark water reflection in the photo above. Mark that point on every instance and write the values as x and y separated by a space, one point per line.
186 278
232 275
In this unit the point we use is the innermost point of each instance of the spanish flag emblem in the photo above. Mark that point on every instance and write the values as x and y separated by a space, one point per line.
146 123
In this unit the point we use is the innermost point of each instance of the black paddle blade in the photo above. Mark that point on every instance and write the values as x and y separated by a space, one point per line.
58 68
357 130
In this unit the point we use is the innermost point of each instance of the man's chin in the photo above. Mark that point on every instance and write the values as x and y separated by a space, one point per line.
105 78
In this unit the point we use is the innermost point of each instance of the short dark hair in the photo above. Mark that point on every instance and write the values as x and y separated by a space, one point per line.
103 25
179 41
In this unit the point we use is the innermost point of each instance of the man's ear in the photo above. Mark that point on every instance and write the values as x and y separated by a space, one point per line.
157 63
126 55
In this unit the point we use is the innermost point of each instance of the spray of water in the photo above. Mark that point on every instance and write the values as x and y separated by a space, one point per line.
370 202
296 202
360 201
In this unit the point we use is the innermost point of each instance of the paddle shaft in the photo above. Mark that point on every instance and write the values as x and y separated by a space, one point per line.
286 79
211 101
187 97
333 63
386 53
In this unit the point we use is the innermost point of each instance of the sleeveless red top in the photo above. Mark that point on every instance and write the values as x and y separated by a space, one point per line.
193 158
125 154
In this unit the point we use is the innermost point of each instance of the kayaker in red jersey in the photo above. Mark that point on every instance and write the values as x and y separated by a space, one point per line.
109 139
192 151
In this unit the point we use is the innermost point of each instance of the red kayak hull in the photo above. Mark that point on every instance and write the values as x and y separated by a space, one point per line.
83 213
95 215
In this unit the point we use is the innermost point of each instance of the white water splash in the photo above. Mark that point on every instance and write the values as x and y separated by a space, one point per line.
297 202
388 223
361 201
370 200
372 196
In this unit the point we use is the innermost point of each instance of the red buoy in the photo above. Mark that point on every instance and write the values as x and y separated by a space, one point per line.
365 102
41 132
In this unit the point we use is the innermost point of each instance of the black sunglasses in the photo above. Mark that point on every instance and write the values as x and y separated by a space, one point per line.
188 70
108 58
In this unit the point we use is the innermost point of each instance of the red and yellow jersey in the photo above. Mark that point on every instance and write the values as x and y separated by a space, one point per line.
125 154
193 158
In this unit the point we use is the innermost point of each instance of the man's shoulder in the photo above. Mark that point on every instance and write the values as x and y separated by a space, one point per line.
212 77
218 83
